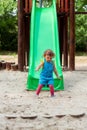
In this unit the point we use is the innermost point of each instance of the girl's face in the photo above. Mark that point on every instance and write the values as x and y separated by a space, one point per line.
48 58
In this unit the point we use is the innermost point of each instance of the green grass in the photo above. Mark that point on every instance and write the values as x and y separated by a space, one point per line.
81 53
15 53
8 53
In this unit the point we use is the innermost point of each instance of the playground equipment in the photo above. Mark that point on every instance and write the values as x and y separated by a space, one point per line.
66 17
43 36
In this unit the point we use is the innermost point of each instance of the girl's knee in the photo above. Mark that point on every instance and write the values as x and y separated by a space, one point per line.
50 85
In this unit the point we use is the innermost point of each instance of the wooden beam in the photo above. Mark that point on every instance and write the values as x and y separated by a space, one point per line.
58 5
65 41
20 35
30 5
27 39
26 6
66 5
61 27
62 5
72 36
81 13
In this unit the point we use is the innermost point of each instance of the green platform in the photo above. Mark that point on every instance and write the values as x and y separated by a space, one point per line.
43 35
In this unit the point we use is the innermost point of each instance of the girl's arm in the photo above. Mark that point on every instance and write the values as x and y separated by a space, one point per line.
39 66
56 73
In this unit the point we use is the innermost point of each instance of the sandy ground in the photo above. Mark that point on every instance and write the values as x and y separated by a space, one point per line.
21 110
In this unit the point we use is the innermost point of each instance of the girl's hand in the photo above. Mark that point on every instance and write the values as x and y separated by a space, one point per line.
39 66
59 77
36 69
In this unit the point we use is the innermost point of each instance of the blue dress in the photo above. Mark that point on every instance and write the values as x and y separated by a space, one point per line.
46 75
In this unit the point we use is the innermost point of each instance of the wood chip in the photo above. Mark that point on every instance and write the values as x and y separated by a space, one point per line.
28 116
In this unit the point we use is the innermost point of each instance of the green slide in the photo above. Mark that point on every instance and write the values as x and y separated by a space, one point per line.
43 35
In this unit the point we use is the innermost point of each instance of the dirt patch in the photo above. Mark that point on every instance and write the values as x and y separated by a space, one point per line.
8 58
21 110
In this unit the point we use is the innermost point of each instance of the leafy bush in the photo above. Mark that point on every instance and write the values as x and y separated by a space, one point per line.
81 33
8 25
81 25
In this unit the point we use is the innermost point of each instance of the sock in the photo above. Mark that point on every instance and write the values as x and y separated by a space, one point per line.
39 89
51 90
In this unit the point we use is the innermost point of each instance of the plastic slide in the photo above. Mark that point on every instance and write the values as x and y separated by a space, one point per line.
43 35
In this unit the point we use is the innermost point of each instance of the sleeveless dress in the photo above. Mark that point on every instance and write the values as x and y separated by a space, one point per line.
46 75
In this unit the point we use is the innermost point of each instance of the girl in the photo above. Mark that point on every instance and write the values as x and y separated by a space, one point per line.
46 75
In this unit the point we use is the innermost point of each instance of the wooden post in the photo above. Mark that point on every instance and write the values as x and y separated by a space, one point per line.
30 5
62 5
26 6
66 5
20 34
27 41
61 27
72 36
65 42
58 5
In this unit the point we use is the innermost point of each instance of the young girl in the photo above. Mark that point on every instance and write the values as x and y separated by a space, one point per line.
46 75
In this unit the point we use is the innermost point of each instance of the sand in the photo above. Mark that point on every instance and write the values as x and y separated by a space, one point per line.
21 110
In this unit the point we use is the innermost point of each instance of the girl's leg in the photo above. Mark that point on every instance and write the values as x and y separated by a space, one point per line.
39 89
51 89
